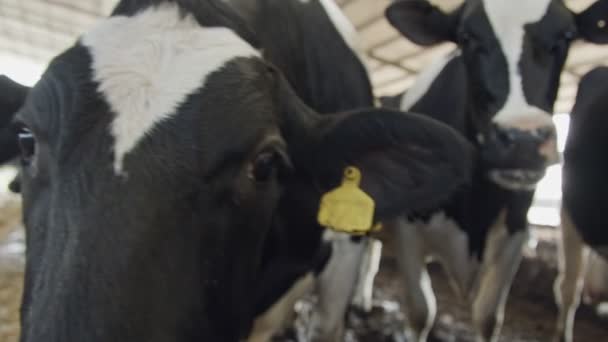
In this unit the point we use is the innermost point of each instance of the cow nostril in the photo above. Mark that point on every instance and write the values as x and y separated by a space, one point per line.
544 133
505 137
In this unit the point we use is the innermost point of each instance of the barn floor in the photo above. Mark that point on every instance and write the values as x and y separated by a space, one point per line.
530 313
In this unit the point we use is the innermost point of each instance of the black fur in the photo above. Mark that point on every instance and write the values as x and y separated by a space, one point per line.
585 163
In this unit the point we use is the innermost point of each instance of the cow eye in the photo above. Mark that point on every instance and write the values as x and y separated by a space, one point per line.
468 40
27 145
467 37
265 166
563 41
569 36
464 38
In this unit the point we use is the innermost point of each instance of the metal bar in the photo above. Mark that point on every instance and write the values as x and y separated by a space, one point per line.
383 42
393 63
391 81
70 7
37 28
369 22
38 16
388 84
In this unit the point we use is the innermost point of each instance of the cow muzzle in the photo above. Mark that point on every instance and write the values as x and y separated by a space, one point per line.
518 154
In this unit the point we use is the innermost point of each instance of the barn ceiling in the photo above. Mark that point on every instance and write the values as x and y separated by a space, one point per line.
39 29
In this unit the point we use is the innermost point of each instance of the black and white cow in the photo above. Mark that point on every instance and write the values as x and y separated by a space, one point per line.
162 158
307 40
322 35
498 89
584 194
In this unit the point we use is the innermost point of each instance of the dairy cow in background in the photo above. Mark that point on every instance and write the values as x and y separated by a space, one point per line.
163 159
498 89
584 204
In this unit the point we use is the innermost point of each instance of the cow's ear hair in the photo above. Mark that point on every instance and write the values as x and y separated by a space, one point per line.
408 162
423 23
592 23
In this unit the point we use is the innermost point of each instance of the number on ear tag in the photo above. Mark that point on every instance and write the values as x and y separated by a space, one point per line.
347 208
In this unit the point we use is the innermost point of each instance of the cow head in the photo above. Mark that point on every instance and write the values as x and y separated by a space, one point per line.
513 52
158 152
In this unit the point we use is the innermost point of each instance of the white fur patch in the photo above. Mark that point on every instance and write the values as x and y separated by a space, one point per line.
425 80
148 64
363 296
335 286
508 20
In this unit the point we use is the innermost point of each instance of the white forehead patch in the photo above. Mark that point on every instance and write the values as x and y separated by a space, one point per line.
508 20
506 14
148 64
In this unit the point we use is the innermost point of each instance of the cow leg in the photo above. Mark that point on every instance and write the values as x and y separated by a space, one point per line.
421 305
595 282
603 251
367 273
501 260
279 315
335 287
572 258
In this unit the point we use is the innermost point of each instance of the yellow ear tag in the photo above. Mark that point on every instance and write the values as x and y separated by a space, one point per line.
347 208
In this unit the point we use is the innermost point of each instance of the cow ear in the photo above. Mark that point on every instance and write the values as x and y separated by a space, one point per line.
422 22
592 23
12 97
408 162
